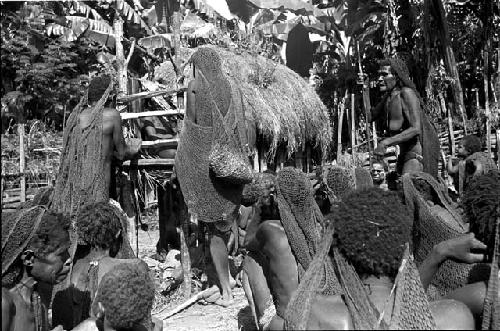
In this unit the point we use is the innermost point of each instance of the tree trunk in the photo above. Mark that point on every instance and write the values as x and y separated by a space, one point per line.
120 58
448 56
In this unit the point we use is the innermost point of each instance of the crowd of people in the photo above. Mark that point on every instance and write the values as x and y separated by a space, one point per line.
347 250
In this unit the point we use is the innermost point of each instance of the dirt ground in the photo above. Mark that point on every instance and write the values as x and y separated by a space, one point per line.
238 316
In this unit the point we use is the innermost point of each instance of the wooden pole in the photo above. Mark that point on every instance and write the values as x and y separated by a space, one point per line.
353 125
22 160
498 147
339 130
451 135
486 98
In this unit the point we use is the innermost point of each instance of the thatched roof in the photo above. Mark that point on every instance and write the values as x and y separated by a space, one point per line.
285 108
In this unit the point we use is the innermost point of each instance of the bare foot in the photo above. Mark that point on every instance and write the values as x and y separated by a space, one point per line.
220 300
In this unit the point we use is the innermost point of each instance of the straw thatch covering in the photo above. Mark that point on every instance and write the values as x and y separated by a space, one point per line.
283 106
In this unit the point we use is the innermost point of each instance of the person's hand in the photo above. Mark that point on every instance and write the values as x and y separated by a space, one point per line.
58 328
380 149
460 249
134 145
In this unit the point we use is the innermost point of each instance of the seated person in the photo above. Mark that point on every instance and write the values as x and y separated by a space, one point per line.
35 244
98 225
278 259
155 128
472 162
482 207
378 172
372 227
124 300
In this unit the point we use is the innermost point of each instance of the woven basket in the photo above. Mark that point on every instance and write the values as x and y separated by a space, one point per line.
491 308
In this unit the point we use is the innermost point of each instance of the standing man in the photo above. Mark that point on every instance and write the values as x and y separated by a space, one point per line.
92 137
405 123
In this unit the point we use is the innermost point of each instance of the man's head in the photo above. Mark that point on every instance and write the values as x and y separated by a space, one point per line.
482 206
262 190
378 172
372 227
394 72
45 257
97 87
99 225
469 145
125 296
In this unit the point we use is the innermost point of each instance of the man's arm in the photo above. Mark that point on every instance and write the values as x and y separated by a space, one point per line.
457 249
411 111
123 151
151 132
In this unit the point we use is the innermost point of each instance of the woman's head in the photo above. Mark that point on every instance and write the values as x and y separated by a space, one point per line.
99 225
372 227
45 257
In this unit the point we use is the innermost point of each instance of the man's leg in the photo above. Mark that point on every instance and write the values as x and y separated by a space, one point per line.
255 285
283 273
219 253
412 165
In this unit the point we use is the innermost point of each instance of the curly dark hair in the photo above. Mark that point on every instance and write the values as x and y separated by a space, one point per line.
51 234
471 143
97 87
98 224
126 292
482 205
372 227
253 191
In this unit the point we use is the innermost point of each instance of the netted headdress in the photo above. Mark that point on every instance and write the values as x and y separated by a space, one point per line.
17 231
340 180
399 66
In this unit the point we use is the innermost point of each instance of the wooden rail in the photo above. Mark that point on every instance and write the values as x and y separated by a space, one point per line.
149 163
126 116
160 143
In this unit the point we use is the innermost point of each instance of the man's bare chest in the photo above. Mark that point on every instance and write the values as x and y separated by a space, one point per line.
394 107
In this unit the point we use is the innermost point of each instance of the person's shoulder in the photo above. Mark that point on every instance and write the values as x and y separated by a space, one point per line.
87 325
407 92
111 112
8 305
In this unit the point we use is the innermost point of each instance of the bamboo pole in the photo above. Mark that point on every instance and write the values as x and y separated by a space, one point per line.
22 160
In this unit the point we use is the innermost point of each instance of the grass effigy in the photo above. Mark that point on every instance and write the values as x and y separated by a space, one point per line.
281 104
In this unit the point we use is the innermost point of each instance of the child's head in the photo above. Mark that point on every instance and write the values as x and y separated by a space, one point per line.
469 145
125 295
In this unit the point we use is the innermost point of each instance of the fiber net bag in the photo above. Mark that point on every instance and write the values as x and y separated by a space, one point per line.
17 231
210 200
431 227
363 178
363 312
491 308
302 221
340 180
411 309
299 307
